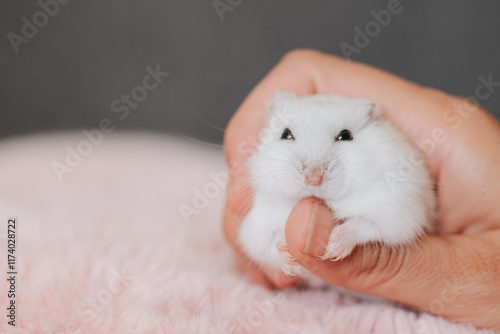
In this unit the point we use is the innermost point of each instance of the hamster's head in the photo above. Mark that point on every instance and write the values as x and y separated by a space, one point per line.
318 145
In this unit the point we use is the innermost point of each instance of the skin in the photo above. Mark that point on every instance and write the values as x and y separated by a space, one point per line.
454 273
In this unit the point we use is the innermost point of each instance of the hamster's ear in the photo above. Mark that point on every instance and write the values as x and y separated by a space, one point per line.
372 111
280 101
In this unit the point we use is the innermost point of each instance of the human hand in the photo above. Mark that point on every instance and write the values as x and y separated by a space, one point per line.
455 274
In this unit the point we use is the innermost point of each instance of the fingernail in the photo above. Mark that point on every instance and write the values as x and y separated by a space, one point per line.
322 223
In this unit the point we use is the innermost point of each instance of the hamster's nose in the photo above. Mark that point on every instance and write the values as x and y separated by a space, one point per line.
314 176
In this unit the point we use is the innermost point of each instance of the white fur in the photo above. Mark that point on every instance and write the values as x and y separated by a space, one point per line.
367 184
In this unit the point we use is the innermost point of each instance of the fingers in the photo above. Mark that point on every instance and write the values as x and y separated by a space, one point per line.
456 277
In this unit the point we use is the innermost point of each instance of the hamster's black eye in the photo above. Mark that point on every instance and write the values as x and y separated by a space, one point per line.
287 135
344 135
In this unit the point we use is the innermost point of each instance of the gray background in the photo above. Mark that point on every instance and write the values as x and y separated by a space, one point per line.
93 51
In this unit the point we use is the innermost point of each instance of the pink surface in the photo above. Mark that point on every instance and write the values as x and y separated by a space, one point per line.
108 251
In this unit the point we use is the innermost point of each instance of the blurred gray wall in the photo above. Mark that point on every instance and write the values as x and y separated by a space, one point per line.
90 52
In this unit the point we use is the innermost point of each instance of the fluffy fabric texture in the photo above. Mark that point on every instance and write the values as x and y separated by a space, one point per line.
107 250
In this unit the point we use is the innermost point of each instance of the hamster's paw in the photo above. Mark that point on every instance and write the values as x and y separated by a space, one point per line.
288 264
341 243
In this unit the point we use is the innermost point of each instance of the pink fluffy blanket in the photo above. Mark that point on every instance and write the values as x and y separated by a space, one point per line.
124 236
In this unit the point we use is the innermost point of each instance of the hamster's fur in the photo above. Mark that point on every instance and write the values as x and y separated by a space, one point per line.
360 175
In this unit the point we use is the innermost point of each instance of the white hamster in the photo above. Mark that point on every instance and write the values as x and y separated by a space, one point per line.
337 149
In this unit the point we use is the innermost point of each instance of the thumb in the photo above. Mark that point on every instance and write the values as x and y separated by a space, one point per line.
456 277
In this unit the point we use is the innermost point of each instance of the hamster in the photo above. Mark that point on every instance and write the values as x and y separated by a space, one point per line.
341 151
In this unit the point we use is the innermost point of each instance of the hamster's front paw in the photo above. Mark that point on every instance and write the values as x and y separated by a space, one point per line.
341 243
288 264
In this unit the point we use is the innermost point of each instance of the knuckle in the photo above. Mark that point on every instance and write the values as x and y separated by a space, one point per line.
302 56
379 266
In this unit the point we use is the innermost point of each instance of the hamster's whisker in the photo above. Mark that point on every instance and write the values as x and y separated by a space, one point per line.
274 149
240 215
291 151
244 169
281 160
238 191
197 140
247 184
243 214
245 202
264 178
212 125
